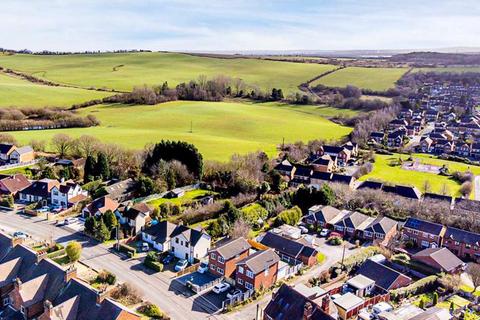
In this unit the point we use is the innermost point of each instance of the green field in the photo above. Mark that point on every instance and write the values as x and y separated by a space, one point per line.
448 69
396 175
378 79
189 196
124 71
220 129
21 93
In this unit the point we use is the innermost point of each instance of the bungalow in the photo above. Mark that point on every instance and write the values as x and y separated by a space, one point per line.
38 191
257 271
324 163
439 260
369 184
343 179
463 244
289 250
11 185
385 278
377 137
302 175
67 194
317 179
423 233
222 260
182 242
22 155
99 206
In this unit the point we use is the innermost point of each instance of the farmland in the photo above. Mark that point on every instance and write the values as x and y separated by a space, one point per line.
125 71
219 128
21 93
448 69
378 79
384 171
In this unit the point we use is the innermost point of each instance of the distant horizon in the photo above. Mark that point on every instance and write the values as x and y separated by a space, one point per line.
248 25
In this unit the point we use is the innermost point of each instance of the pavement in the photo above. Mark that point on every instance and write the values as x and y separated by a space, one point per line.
173 298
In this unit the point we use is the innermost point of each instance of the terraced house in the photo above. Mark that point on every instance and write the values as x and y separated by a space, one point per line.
463 244
423 233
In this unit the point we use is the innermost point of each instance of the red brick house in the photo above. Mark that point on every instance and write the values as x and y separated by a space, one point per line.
223 259
257 271
423 233
463 244
439 260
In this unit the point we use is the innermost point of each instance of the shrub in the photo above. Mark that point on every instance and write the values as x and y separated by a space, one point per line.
153 311
357 259
320 258
106 277
290 216
335 241
126 294
417 287
73 251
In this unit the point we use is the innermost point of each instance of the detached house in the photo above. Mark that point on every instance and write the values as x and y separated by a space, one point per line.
38 191
99 206
134 218
5 151
286 169
385 277
423 233
67 194
377 137
439 260
258 270
182 242
11 185
22 155
223 259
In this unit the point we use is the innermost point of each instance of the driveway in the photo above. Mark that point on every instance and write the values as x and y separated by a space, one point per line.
176 300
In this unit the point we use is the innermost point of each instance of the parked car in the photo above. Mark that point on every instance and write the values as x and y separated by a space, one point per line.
221 287
181 265
324 233
303 229
167 259
234 293
203 267
43 209
20 235
145 247
70 221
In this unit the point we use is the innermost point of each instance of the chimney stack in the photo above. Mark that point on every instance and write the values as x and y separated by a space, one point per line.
326 304
307 310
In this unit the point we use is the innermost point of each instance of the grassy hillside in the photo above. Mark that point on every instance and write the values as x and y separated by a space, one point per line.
219 129
21 93
124 71
382 170
366 78
448 69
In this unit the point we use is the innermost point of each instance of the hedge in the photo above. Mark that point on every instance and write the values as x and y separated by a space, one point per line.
415 288
356 259
127 249
155 266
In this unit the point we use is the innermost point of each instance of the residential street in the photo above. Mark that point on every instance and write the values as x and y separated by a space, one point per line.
156 287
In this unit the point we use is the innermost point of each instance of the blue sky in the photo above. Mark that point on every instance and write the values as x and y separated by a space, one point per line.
74 25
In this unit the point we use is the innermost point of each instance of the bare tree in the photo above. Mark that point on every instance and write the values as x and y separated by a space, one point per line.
62 143
473 270
466 188
86 145
38 145
240 229
7 138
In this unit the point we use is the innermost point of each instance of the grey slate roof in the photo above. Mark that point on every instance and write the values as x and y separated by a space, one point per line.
260 260
233 248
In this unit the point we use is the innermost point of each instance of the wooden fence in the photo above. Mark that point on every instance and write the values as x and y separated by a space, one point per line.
190 269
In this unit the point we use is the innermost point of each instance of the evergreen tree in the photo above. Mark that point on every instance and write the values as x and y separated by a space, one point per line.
110 219
91 225
89 170
102 166
102 233
435 298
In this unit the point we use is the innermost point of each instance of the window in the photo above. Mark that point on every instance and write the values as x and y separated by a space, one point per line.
22 309
220 259
212 267
457 243
213 256
266 272
6 301
250 274
181 243
248 286
468 246
367 234
176 240
415 232
240 270
219 270
240 280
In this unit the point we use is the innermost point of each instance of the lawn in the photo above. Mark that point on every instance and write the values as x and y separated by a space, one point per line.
220 129
126 70
396 175
188 197
378 79
21 93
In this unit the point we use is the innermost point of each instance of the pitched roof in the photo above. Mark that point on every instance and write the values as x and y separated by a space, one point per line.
5 245
15 183
161 231
86 298
138 208
102 205
439 258
341 178
354 220
326 214
260 260
288 304
192 235
287 246
5 148
120 188
370 185
382 225
384 277
435 196
24 149
424 226
41 188
33 291
232 248
66 310
462 236
9 270
434 313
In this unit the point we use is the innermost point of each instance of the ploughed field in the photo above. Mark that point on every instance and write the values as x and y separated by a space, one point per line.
123 71
217 129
